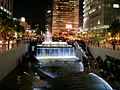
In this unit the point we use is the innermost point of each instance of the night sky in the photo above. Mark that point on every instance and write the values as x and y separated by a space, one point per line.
33 10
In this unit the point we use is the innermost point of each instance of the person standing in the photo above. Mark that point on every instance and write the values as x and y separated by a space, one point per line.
113 44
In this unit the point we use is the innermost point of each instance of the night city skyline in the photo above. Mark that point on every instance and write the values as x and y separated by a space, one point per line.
59 44
34 12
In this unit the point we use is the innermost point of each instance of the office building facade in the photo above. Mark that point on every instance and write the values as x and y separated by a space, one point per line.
65 17
7 6
49 16
99 14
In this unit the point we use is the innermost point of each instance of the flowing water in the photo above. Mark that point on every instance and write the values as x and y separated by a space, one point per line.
55 51
48 37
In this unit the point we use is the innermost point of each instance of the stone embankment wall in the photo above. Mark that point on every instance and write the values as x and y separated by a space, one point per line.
9 59
96 51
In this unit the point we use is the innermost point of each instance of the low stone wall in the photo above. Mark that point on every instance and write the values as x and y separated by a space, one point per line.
96 51
9 59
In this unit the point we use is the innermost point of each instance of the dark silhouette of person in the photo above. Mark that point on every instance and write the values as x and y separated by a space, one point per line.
113 44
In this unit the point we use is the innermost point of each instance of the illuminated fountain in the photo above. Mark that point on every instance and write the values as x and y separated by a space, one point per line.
59 59
48 41
48 37
54 50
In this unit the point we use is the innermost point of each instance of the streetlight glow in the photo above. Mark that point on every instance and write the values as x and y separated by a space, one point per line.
22 19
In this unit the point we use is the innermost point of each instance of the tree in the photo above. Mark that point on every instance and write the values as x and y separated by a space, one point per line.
114 28
18 28
3 25
8 26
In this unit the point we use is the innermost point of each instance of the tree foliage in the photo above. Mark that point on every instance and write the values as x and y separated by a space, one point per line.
18 28
114 28
8 25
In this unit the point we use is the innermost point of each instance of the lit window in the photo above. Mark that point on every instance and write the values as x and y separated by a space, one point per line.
116 6
98 22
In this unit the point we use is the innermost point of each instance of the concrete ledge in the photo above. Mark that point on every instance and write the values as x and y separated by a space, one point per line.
96 51
9 59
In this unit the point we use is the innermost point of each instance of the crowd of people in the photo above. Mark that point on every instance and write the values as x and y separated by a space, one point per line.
108 69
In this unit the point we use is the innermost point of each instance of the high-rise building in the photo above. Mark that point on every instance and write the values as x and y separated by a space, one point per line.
49 19
65 17
99 14
7 6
